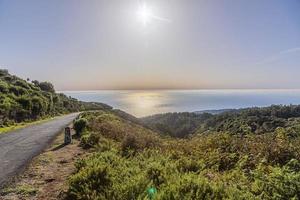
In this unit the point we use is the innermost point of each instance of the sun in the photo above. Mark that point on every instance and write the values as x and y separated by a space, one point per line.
144 14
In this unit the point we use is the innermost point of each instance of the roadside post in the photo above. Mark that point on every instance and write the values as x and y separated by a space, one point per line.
68 135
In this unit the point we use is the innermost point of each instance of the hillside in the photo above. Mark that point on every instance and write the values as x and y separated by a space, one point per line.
130 161
243 154
125 160
21 100
253 120
175 124
239 122
215 112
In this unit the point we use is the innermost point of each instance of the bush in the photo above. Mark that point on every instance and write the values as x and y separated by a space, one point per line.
4 87
90 184
279 183
17 90
89 140
191 187
3 72
25 102
79 125
188 165
129 143
22 84
156 174
38 107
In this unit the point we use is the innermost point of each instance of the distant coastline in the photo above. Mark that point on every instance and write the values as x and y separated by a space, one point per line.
215 112
142 103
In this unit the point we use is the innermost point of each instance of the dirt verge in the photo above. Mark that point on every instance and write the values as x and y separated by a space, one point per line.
46 176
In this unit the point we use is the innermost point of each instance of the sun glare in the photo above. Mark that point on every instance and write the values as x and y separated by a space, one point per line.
144 14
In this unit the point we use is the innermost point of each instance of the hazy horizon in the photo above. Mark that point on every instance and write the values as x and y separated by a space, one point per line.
148 102
139 44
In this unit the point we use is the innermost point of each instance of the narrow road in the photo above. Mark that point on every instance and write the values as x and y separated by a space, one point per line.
17 148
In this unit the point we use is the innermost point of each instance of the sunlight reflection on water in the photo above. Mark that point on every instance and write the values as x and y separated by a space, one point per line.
147 102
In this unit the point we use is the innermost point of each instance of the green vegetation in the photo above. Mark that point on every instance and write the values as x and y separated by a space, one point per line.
23 124
254 120
250 153
25 190
79 125
175 124
22 101
238 122
134 162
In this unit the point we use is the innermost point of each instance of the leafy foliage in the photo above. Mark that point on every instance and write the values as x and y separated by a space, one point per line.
175 124
130 159
253 120
23 101
238 122
44 86
79 125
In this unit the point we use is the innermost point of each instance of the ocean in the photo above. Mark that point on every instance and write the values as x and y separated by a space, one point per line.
148 102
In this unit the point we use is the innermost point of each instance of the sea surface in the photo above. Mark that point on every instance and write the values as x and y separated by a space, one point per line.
147 102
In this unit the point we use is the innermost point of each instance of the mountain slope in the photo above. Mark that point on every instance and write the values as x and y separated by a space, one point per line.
175 124
240 121
22 100
253 120
130 160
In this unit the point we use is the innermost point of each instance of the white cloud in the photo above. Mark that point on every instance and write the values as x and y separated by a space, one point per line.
275 57
292 50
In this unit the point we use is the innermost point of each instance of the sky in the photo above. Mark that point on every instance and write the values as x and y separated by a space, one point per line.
157 44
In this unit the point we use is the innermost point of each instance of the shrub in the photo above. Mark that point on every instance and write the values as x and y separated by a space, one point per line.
279 183
4 87
90 184
188 165
79 125
89 140
22 84
17 90
84 141
38 107
8 78
129 143
3 72
25 102
191 187
156 174
104 145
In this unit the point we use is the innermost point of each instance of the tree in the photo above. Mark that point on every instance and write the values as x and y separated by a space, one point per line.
45 86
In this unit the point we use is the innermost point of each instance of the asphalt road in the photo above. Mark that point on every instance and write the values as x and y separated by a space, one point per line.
17 148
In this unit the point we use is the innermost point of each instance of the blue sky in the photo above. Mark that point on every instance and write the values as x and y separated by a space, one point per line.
200 44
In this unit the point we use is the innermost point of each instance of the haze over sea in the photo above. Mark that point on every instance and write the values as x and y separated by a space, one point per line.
147 102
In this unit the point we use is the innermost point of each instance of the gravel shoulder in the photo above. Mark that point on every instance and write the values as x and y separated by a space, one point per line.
46 177
18 148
